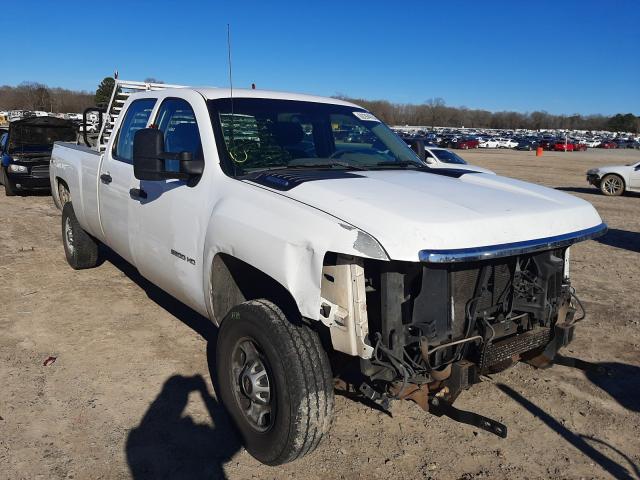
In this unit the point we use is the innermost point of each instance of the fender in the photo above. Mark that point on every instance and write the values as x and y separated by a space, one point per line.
290 252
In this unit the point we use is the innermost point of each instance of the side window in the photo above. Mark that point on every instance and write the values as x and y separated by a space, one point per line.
177 120
135 119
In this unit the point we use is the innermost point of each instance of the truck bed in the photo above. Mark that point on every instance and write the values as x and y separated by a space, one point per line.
77 167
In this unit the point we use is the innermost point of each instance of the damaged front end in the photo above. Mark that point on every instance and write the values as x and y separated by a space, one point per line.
430 330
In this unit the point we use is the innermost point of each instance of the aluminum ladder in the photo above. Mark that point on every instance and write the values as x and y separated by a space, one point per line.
120 94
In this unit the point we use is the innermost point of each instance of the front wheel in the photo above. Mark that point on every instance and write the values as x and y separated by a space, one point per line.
612 185
275 381
80 248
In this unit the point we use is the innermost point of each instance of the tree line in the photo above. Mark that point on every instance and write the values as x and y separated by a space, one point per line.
37 96
435 112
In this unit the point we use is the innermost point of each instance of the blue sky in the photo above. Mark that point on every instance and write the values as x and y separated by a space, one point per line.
560 56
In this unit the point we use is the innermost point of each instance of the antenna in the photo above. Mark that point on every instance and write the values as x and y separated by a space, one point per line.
229 60
232 141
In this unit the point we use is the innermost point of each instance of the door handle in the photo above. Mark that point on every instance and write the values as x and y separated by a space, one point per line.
106 178
137 193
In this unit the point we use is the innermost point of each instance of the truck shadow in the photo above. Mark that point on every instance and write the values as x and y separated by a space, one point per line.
593 191
619 380
167 444
624 239
578 441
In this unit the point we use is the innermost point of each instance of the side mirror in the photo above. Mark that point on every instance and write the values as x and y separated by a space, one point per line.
151 162
417 146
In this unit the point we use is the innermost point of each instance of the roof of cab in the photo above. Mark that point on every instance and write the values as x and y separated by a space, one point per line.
215 93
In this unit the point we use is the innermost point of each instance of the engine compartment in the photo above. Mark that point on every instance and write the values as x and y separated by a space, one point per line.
438 327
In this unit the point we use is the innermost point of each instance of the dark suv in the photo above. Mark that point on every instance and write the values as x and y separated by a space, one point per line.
25 152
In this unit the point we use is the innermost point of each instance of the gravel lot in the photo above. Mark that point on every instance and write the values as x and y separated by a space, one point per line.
130 395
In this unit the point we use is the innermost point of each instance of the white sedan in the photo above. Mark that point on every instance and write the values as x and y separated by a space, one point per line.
616 179
489 143
442 158
506 143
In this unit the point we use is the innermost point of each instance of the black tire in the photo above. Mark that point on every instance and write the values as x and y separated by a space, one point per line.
80 248
612 185
9 187
298 381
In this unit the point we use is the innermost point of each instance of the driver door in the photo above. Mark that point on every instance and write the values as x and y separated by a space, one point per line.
167 248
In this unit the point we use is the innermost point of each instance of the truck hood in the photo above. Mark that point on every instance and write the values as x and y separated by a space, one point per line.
411 211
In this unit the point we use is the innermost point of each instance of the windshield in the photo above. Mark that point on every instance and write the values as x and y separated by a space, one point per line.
264 134
448 157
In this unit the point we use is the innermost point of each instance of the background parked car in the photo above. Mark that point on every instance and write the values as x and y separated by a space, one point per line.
25 151
437 157
563 146
616 179
579 146
506 143
489 143
465 143
527 145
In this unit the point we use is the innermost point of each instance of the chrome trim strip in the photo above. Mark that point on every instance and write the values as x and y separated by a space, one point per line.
510 249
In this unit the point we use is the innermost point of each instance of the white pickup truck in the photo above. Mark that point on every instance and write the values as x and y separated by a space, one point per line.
313 253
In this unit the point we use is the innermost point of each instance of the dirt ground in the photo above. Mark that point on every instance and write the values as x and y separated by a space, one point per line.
130 395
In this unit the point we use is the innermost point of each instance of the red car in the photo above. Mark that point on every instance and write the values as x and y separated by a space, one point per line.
608 144
465 143
579 147
560 146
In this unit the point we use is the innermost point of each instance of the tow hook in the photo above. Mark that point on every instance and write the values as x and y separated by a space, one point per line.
376 397
440 407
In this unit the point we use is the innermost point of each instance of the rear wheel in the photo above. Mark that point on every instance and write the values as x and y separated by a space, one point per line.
612 185
9 187
275 381
80 248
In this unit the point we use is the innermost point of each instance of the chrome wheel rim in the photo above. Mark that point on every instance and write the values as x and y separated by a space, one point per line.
612 185
252 384
68 234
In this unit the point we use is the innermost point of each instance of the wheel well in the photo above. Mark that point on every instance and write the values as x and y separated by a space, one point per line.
234 281
61 183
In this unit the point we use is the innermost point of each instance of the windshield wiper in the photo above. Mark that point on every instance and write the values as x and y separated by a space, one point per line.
348 166
400 165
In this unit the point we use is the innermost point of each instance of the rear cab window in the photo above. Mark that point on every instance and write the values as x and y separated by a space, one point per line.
136 118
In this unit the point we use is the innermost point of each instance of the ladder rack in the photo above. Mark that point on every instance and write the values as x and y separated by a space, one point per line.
121 92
